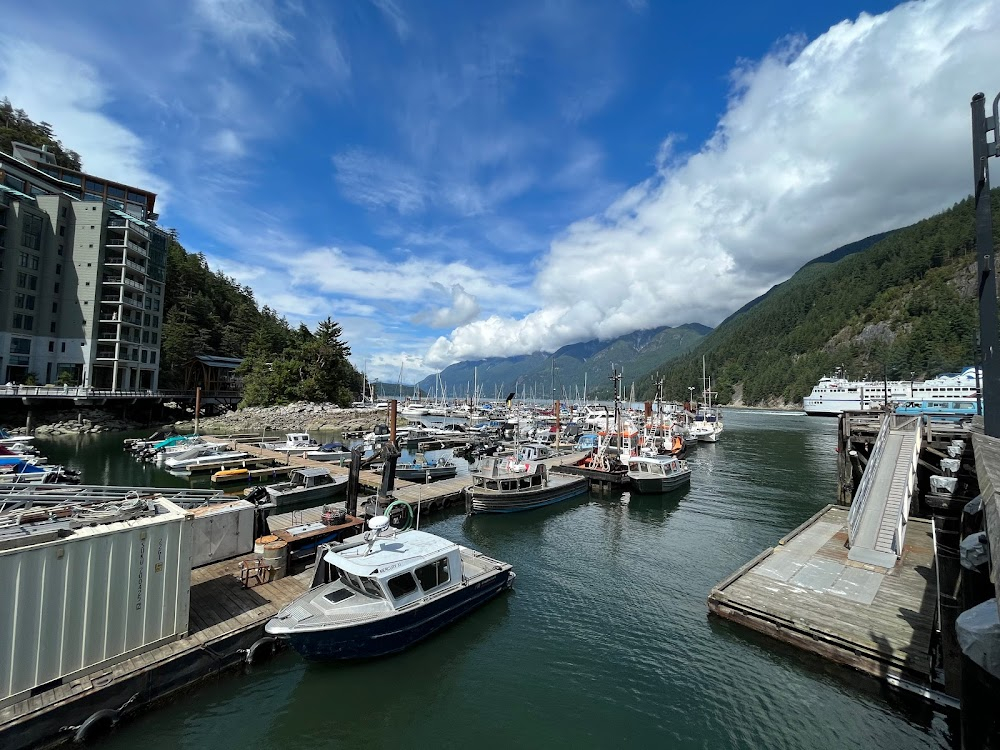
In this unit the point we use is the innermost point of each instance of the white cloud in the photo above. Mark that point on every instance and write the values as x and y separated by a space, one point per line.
864 129
71 96
245 25
228 144
463 309
394 16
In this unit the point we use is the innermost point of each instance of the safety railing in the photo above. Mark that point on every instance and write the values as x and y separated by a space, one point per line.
867 480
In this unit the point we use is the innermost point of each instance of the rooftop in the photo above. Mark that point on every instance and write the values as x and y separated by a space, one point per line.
389 554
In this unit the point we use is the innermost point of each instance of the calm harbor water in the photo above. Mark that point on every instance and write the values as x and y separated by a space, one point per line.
604 642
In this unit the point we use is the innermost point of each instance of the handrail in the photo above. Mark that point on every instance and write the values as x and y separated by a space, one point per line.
867 479
911 478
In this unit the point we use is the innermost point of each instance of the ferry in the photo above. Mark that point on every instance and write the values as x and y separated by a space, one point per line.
833 395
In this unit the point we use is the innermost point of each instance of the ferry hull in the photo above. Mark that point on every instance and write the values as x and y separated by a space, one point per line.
390 635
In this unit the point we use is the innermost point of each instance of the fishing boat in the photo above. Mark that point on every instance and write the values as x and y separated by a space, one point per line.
504 485
421 471
229 476
18 471
314 484
377 593
706 425
657 474
201 455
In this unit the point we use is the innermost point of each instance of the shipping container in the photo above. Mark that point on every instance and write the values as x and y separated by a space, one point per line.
94 597
222 531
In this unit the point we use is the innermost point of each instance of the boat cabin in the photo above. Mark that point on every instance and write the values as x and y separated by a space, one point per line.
400 569
662 465
310 477
505 475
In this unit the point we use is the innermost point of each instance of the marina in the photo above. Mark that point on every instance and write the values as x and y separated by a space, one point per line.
600 522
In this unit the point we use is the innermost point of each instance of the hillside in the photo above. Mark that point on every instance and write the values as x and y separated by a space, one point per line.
15 125
906 304
637 352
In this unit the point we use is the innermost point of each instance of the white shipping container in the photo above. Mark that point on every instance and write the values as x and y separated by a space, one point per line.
222 531
98 596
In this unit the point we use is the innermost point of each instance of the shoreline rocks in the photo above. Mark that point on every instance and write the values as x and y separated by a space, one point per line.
319 417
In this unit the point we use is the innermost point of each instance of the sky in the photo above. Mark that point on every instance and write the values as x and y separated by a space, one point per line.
456 180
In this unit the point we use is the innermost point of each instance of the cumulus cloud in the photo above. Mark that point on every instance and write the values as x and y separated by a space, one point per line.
863 129
464 308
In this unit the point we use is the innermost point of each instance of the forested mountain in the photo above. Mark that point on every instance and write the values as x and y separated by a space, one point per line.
907 304
537 374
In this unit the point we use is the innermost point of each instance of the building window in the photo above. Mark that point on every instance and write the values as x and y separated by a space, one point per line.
29 302
145 319
60 250
19 300
156 321
156 338
144 356
95 186
136 197
34 263
22 260
116 192
52 344
55 307
52 327
145 337
62 212
57 288
20 346
63 346
31 232
22 280
58 268
156 305
62 232
152 358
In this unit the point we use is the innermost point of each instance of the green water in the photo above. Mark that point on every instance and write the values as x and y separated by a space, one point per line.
604 642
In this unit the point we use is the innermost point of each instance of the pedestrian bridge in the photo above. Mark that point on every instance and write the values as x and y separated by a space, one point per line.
881 506
87 396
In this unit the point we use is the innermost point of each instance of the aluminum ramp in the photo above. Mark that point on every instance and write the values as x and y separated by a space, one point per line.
877 522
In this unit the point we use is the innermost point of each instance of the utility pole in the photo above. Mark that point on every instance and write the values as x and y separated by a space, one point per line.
982 150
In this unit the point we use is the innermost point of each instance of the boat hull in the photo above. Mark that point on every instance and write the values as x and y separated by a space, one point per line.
419 475
654 485
390 635
308 494
482 501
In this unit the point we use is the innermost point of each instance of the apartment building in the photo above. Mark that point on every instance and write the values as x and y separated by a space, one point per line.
82 271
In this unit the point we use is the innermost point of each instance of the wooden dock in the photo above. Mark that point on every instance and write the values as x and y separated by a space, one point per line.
224 619
806 592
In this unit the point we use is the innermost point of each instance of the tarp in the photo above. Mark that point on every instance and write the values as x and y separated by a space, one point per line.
978 632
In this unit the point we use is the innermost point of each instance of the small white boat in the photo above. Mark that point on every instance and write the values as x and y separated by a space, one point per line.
295 442
200 455
312 484
330 452
7 438
657 474
380 592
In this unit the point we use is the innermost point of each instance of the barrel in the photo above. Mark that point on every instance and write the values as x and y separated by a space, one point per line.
258 544
276 555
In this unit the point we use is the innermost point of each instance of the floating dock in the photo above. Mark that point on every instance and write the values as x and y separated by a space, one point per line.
808 593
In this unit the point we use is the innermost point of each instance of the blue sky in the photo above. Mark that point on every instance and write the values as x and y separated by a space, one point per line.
452 180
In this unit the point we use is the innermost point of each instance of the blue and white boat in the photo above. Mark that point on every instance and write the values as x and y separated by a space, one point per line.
378 593
942 410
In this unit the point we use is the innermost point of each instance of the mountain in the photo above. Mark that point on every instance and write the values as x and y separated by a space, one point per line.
904 305
564 370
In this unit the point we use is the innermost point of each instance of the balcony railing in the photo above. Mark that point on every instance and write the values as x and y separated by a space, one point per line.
111 298
108 279
132 302
104 352
137 248
135 284
135 266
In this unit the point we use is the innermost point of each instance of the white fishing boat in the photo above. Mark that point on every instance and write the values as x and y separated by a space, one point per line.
706 426
202 455
313 484
503 485
7 438
378 593
330 452
657 474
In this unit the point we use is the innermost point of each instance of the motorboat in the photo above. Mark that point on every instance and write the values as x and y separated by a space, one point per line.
295 442
7 438
330 452
201 455
422 471
505 485
23 451
657 474
229 476
18 471
312 484
380 592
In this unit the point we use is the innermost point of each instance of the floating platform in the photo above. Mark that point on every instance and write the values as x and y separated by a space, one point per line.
594 475
806 592
225 619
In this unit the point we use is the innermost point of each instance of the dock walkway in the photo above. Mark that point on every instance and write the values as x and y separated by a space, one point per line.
224 618
807 592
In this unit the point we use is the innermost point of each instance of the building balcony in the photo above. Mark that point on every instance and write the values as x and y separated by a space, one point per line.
111 298
132 302
134 284
114 260
135 266
137 249
104 352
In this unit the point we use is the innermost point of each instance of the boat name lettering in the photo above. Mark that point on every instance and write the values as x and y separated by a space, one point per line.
142 564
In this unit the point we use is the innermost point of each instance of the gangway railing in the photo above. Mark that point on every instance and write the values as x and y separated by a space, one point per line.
863 492
911 481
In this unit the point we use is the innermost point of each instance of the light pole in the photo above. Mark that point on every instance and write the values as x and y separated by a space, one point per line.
982 150
690 394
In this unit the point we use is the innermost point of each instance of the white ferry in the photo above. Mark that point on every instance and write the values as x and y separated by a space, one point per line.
831 396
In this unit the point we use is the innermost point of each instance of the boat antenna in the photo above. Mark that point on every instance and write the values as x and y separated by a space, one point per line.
376 526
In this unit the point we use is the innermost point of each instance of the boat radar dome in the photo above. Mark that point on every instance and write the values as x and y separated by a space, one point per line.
378 523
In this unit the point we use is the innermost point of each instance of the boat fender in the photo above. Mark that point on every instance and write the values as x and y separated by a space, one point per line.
252 651
99 722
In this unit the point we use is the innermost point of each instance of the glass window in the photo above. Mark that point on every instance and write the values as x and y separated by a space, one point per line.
52 327
55 307
152 358
31 232
11 181
58 268
92 197
20 346
433 575
144 356
52 346
56 290
402 585
29 302
155 337
34 263
136 197
156 305
115 192
22 260
73 179
22 280
156 321
97 187
19 300
371 587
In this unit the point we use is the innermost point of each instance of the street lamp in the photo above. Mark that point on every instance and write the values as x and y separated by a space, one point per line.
690 394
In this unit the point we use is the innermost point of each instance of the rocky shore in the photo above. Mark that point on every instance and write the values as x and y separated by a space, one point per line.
319 417
80 421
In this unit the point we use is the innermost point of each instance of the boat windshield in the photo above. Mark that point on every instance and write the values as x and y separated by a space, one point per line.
360 584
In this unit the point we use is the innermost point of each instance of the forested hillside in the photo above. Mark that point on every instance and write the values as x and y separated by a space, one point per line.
905 305
15 125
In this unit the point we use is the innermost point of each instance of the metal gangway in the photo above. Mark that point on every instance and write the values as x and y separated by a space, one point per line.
881 505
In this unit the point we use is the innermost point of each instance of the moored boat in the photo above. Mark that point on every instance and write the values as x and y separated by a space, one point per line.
307 485
295 442
378 593
228 476
505 486
657 474
421 471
